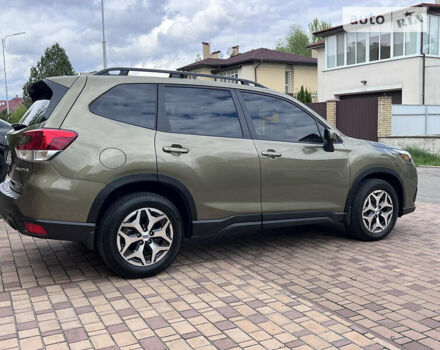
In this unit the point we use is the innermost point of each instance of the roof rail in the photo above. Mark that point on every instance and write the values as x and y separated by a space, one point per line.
174 74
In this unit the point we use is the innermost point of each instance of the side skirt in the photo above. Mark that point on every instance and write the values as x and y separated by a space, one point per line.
246 223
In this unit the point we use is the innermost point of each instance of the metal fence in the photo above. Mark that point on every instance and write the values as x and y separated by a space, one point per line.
415 120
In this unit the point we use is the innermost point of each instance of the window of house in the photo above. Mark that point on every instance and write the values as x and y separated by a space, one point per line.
331 51
288 82
361 47
398 44
410 43
128 103
433 35
385 45
200 111
340 49
351 48
279 120
374 46
231 74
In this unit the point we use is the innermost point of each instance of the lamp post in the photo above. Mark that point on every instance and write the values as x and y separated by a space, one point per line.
4 68
104 53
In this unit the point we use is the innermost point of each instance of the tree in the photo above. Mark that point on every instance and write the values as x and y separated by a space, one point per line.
315 26
17 113
54 62
3 114
295 42
303 95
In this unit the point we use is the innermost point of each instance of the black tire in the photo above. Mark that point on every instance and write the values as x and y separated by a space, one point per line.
113 217
3 168
357 226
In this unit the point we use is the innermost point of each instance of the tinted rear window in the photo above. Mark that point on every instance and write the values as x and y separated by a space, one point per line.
35 113
201 111
133 104
45 95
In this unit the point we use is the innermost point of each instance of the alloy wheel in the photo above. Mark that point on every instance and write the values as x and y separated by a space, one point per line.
145 237
377 211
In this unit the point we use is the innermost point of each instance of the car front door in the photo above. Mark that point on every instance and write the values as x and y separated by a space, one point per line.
299 178
203 142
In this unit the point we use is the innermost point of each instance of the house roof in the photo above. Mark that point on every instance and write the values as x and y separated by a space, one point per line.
13 103
257 55
340 28
316 44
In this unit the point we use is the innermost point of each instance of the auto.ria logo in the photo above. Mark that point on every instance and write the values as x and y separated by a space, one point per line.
384 19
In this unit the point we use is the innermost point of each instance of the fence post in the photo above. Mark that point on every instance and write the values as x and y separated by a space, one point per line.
384 115
331 111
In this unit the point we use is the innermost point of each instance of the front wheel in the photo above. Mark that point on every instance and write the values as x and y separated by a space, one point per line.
374 210
140 235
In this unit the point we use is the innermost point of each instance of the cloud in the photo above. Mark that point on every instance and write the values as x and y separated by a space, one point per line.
153 33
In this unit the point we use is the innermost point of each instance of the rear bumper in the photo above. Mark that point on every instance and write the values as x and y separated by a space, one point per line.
60 230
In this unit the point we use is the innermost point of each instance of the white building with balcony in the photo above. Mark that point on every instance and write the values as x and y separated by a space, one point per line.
402 64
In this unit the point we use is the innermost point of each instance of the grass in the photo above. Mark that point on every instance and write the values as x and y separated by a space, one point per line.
422 157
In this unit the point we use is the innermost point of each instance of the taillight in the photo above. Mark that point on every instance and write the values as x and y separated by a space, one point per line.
35 228
42 144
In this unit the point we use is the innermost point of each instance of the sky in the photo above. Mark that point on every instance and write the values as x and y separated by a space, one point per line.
150 33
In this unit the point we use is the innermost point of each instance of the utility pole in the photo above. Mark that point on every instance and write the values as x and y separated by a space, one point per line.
4 69
104 53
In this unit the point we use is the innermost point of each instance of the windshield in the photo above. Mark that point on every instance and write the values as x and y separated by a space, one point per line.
35 114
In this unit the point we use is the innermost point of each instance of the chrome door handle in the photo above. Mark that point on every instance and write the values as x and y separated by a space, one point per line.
175 149
271 154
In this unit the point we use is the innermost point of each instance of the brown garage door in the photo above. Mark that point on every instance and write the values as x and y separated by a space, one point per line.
396 96
358 118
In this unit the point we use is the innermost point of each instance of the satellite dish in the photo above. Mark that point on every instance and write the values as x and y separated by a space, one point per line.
230 51
220 55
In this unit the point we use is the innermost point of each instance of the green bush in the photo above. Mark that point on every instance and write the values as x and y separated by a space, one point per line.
303 95
14 116
422 157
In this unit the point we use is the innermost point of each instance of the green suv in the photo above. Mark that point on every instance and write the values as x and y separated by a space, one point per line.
133 164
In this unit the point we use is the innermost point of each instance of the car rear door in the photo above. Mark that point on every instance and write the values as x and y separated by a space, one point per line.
203 142
299 178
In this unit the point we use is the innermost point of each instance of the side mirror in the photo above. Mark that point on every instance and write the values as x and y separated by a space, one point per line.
329 140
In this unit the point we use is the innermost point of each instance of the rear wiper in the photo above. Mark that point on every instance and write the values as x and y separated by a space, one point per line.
18 126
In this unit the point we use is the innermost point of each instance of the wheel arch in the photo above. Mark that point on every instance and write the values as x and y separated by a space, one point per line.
166 186
386 174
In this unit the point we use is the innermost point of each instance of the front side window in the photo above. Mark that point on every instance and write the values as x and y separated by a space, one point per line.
279 120
133 104
200 111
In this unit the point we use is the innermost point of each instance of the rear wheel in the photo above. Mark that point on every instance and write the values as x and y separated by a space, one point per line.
140 235
374 211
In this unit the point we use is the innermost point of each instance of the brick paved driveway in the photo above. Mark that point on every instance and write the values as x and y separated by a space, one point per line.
306 288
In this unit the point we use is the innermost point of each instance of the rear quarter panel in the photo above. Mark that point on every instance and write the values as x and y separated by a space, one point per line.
81 160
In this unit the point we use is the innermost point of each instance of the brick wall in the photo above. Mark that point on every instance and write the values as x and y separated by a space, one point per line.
384 112
331 112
